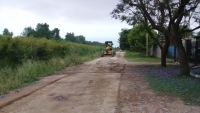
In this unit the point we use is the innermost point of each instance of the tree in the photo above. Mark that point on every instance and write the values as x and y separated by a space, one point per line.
136 17
96 43
186 34
55 34
42 30
80 39
28 31
7 33
166 16
137 38
70 37
123 39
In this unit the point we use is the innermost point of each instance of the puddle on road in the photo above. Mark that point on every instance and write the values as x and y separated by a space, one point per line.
60 98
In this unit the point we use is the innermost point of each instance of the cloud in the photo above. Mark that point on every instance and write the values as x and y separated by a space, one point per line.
90 18
78 11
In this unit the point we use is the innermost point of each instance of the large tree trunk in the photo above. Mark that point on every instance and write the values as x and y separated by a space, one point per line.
163 58
163 48
183 60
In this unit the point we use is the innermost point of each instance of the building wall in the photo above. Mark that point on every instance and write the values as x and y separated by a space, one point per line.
155 51
171 52
193 43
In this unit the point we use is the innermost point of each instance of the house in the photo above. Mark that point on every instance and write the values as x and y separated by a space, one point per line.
191 45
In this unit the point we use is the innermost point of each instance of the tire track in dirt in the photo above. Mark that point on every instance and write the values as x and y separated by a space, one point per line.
90 87
104 85
27 94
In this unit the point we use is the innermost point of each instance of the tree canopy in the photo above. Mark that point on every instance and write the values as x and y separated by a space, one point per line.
55 34
166 16
137 38
42 30
81 39
28 31
123 39
71 37
6 32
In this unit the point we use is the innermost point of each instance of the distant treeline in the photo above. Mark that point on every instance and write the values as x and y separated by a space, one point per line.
42 31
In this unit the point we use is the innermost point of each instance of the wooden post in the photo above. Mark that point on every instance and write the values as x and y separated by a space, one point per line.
147 44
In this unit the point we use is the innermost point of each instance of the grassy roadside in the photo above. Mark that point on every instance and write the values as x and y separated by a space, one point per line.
30 71
139 57
167 81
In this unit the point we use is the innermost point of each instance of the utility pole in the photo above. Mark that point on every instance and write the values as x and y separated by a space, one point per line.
147 35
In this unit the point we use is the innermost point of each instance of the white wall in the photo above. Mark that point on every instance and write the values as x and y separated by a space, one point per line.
155 51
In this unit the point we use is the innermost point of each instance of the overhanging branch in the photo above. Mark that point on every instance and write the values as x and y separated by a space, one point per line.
191 30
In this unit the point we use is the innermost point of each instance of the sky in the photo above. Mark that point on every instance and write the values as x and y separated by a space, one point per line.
90 18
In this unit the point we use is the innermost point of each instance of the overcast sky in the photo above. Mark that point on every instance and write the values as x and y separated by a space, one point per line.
90 18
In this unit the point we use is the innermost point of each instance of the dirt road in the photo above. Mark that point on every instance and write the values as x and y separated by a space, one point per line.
104 85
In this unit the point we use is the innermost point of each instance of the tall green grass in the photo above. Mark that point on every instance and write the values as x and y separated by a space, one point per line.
14 51
31 71
24 60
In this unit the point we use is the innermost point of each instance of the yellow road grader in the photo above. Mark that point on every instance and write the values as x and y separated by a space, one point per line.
108 50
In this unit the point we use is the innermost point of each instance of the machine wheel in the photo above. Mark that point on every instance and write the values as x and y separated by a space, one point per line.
114 52
102 53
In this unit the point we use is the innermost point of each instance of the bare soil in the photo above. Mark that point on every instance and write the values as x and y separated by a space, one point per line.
104 85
